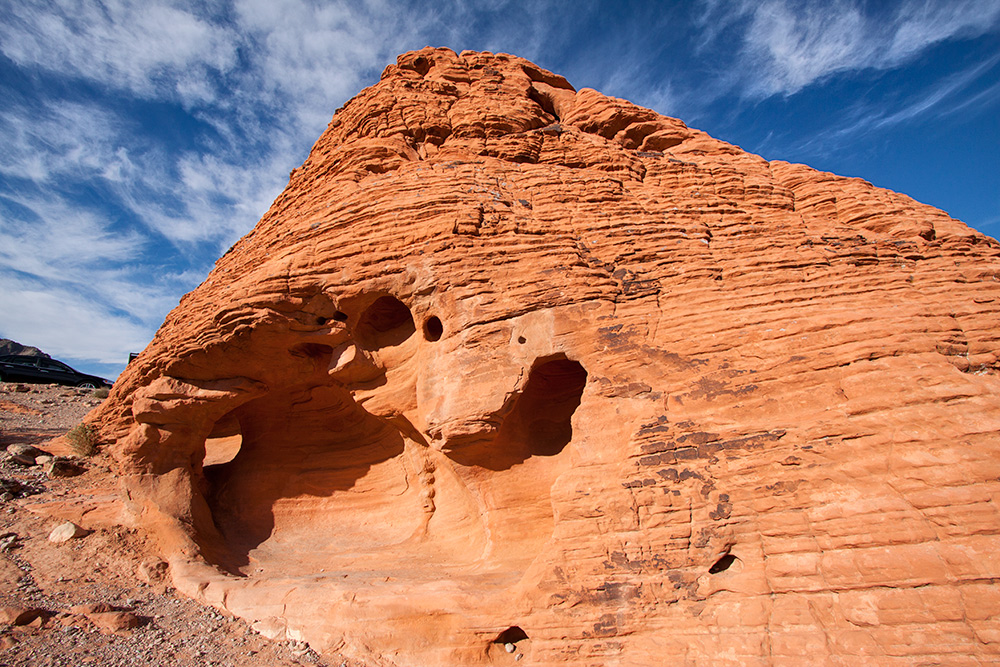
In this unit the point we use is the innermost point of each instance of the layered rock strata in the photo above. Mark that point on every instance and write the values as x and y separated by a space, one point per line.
514 372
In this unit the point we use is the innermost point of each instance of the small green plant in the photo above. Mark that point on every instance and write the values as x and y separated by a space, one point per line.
102 392
82 439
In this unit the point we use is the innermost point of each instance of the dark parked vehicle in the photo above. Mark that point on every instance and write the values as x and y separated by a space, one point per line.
30 368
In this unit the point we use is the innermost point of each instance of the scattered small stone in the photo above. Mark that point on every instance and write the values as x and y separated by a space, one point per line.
509 647
8 541
299 649
92 608
10 487
67 531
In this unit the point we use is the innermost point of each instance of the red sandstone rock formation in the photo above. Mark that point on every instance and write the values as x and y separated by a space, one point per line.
511 369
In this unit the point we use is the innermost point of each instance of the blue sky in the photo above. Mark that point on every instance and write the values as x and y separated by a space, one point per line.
141 138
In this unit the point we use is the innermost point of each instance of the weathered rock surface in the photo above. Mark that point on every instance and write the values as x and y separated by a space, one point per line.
513 364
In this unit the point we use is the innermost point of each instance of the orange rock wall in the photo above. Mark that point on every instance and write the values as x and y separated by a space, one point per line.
510 363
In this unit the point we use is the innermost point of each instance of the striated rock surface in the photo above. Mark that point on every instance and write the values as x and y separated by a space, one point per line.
514 373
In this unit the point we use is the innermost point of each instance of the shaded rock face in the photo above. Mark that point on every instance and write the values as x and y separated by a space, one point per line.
511 369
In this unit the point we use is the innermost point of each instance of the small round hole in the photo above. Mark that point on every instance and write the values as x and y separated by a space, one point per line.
340 316
433 329
522 340
321 321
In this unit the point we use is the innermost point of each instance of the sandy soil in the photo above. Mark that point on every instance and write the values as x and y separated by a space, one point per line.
54 583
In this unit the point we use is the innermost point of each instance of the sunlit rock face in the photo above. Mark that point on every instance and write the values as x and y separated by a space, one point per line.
511 369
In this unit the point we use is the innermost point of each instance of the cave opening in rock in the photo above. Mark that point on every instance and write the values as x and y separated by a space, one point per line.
385 323
539 423
544 411
311 475
224 442
511 635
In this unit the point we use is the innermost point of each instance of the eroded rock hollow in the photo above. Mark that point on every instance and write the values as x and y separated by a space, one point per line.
515 372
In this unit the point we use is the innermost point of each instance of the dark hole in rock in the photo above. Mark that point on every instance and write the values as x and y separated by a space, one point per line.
340 316
321 321
421 65
544 101
521 340
311 350
433 329
539 422
385 323
722 564
546 406
511 635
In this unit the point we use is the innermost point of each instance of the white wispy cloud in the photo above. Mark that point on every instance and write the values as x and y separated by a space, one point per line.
62 323
921 24
947 96
64 140
153 49
790 45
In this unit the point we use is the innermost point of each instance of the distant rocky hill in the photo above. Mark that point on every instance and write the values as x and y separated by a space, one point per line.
8 346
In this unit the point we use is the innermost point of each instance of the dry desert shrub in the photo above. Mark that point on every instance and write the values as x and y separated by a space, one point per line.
82 439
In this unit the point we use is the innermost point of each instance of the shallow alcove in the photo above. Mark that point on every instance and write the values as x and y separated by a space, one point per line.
385 323
727 563
312 476
509 647
539 423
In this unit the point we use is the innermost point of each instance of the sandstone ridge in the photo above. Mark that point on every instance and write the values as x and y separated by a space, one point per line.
515 372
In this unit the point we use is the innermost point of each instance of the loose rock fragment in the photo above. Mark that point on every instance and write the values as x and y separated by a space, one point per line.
8 541
114 621
25 454
20 615
67 531
64 468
